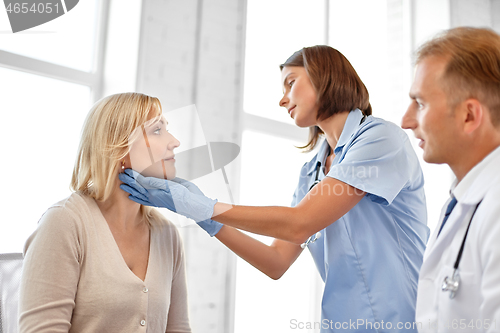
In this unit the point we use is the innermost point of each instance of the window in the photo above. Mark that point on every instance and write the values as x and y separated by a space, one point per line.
271 179
69 40
51 74
378 38
275 30
39 142
379 43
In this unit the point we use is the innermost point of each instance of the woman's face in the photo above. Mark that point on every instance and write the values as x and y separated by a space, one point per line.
299 96
152 149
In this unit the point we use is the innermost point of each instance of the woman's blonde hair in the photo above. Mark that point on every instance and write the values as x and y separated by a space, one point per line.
105 142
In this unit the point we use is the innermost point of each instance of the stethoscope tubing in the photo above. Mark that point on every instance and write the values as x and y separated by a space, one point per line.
316 182
452 284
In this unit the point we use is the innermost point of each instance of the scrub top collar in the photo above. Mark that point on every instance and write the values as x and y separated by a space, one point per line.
478 180
320 156
350 126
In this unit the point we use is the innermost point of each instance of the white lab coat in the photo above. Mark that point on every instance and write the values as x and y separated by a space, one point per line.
476 306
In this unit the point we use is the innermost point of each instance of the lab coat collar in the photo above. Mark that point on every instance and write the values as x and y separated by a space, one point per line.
478 180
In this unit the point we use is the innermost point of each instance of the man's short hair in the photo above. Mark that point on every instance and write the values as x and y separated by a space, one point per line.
473 68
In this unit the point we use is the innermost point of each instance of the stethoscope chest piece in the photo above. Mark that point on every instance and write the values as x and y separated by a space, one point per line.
311 239
451 284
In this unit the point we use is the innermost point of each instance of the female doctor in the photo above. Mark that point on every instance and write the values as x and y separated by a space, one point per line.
366 213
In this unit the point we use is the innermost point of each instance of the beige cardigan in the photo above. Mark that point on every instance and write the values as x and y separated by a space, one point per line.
76 280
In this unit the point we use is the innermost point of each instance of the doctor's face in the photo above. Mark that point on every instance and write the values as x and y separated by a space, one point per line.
152 149
299 96
429 116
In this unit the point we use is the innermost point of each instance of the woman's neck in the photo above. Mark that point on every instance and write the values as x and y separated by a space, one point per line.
119 211
332 127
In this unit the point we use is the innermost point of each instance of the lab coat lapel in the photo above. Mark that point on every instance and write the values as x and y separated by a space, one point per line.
471 191
477 182
438 245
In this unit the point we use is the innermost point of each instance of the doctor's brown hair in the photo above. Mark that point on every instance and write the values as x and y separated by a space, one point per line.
473 68
337 85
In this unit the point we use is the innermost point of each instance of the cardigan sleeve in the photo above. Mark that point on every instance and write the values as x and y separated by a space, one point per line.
178 319
51 271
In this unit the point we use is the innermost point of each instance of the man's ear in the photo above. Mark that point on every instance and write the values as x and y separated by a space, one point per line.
474 114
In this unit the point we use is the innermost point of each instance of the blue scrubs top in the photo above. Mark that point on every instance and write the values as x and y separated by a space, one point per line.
370 258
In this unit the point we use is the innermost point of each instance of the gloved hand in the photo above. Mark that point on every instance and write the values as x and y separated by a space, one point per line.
210 226
177 195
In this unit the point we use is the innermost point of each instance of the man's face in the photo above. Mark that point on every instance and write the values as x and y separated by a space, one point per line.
429 115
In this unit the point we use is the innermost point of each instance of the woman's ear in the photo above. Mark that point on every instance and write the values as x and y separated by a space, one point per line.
125 163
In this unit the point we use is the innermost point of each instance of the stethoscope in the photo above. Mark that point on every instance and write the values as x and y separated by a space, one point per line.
452 284
317 235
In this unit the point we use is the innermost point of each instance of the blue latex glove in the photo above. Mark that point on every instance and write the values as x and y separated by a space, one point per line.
177 195
210 226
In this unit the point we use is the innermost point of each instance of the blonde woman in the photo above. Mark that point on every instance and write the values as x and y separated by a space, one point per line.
98 262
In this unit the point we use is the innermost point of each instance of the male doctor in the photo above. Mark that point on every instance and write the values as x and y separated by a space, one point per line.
455 112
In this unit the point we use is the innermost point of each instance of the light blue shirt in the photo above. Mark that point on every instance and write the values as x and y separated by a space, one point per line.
370 258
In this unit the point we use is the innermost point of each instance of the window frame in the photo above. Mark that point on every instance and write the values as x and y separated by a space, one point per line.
93 79
255 123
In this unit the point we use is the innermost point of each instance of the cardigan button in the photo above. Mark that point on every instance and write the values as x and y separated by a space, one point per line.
143 322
